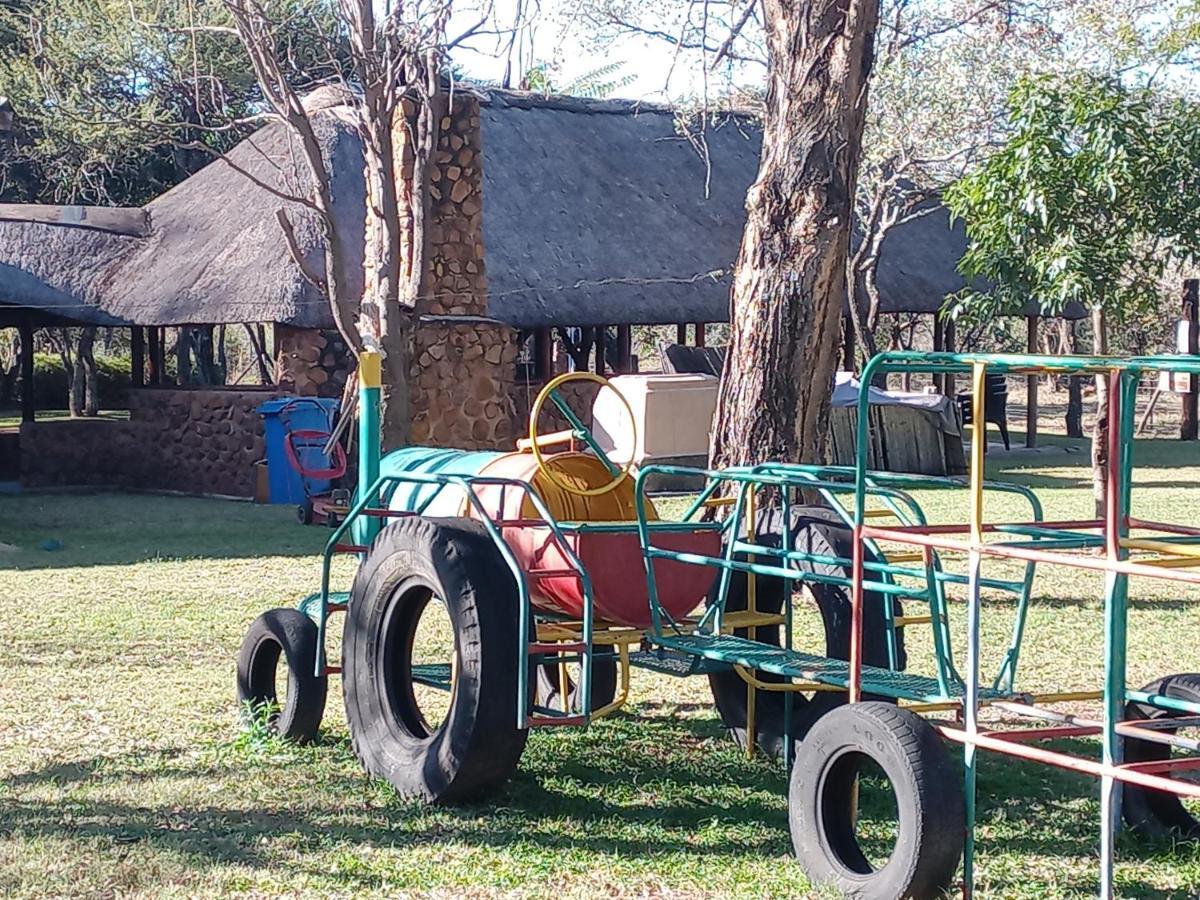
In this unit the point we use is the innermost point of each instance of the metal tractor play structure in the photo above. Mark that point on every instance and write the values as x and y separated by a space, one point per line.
558 575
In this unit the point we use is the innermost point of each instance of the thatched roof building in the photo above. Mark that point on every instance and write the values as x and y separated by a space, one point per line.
594 212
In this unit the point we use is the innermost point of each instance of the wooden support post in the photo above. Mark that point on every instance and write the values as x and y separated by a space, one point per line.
28 406
1190 425
137 352
848 349
543 354
601 332
624 361
1031 385
681 335
699 334
183 356
951 342
939 345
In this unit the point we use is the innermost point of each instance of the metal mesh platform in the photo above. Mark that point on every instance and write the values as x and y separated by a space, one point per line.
795 664
670 662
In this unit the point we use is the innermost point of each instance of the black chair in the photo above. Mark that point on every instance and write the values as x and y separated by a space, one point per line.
995 407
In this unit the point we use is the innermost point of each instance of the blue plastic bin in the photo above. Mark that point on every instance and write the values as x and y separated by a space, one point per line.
316 413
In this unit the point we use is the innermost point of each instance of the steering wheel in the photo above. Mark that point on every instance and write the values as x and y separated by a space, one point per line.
577 430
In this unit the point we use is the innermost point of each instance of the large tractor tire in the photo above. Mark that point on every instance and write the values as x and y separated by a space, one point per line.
475 749
290 634
816 530
828 812
1151 813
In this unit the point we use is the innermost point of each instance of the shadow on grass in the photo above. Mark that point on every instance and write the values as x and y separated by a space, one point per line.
629 788
97 529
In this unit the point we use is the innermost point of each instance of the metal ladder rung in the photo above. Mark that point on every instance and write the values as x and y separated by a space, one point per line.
902 621
540 649
904 557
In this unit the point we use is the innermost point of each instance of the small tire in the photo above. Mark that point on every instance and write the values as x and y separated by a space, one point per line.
604 685
816 530
476 748
294 635
1150 813
929 803
304 513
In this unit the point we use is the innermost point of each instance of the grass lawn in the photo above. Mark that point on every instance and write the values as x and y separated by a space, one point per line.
12 418
123 772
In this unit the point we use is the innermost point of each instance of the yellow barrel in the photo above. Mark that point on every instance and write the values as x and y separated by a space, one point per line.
580 469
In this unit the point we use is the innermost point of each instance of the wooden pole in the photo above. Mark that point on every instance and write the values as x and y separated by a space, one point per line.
543 354
939 344
624 362
154 347
699 334
1031 385
951 340
601 332
28 407
137 352
681 335
848 347
1190 425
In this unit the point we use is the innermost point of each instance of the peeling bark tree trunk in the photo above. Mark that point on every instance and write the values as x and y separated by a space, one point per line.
790 281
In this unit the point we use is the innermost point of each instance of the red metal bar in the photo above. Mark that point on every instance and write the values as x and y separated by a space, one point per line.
1112 474
1182 763
856 616
545 721
573 647
333 670
1050 732
1030 554
1072 763
350 548
335 607
1168 527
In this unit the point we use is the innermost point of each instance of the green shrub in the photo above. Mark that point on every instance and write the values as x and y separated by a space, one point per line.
51 382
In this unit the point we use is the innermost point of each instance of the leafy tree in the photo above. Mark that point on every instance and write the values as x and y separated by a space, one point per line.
1089 200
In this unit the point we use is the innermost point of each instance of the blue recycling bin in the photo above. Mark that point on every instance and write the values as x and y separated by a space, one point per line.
287 414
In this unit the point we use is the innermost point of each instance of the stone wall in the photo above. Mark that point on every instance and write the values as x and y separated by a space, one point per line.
311 362
201 441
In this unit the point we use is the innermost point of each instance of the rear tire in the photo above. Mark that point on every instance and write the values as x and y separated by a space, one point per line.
928 794
816 530
475 749
294 635
1156 814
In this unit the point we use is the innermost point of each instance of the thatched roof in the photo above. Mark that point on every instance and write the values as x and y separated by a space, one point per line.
216 253
594 212
918 266
55 274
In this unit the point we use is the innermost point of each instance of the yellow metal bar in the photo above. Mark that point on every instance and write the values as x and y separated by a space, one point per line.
748 676
623 696
878 513
1053 697
978 445
904 557
609 634
1171 562
901 621
719 501
370 369
1164 547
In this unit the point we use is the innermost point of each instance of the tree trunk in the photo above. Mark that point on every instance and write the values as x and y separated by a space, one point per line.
1100 428
790 281
83 400
1074 384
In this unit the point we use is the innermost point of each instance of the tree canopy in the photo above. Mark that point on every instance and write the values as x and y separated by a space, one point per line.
1094 193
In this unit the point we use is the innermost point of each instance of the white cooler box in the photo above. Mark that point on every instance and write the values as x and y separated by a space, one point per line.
672 415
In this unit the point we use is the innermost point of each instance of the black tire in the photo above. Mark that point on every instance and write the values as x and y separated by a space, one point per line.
304 513
476 748
290 632
929 803
817 530
604 685
1156 814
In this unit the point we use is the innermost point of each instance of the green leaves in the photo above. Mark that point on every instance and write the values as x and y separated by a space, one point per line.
1093 194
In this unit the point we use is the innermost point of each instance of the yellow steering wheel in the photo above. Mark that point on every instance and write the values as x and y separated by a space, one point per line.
577 430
